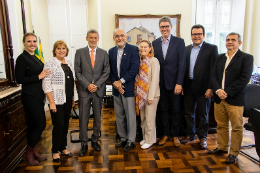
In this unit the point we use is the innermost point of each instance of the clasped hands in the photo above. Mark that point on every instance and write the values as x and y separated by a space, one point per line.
118 85
92 88
222 94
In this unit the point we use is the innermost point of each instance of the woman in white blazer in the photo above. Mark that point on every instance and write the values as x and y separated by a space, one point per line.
147 92
61 92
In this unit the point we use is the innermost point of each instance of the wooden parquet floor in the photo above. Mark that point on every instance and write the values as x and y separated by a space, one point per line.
187 158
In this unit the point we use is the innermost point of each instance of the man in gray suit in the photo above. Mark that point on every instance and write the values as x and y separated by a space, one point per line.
92 70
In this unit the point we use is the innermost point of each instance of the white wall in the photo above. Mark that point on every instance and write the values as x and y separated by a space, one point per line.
138 7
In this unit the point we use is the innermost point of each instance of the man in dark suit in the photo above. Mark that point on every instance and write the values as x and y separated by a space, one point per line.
124 62
170 51
230 76
200 58
92 70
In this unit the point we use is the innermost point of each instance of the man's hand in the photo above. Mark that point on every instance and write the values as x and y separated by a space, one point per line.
149 102
92 88
53 107
73 103
178 89
209 93
118 85
222 94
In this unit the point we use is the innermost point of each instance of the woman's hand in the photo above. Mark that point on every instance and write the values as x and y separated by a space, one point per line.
149 102
53 107
73 103
44 73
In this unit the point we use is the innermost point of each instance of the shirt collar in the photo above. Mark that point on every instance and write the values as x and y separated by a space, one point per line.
168 39
91 49
198 45
232 55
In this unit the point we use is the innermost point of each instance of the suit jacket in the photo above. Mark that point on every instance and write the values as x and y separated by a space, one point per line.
153 79
128 68
27 69
202 69
172 69
86 74
237 76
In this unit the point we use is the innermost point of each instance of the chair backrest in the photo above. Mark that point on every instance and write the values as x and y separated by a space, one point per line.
255 120
252 98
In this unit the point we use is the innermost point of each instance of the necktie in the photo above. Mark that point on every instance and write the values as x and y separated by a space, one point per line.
92 58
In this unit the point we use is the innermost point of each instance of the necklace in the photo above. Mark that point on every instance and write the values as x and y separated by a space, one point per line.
66 70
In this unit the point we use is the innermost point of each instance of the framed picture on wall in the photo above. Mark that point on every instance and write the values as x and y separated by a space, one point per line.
145 27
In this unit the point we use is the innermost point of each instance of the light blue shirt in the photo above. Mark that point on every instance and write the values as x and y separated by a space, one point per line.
193 57
165 46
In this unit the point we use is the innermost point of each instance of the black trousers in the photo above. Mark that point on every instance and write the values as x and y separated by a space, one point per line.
35 118
60 122
193 101
170 106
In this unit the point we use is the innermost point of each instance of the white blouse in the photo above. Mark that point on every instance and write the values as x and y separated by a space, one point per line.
55 82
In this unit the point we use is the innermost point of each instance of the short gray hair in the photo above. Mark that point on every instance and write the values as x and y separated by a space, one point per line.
235 33
92 31
165 19
117 30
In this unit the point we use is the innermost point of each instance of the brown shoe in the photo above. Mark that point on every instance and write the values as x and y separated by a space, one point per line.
163 140
203 144
176 142
187 139
38 156
29 158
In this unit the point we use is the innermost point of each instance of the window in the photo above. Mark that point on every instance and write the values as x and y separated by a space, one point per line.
220 17
128 38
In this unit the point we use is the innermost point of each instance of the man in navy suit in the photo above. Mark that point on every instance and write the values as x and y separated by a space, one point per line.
200 58
230 76
170 51
124 64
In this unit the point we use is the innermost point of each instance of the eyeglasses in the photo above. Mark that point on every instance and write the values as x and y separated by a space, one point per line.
196 34
118 36
165 27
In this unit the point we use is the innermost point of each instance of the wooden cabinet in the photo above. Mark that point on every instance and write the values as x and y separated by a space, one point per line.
12 131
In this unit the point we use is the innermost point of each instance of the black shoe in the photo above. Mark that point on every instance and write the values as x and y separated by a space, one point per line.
231 159
217 151
56 160
120 144
96 146
68 155
83 150
129 146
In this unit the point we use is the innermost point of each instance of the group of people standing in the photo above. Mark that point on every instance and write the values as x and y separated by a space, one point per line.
155 75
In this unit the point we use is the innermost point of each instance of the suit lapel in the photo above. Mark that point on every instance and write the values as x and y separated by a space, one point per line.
235 58
170 45
123 59
160 49
115 59
202 49
97 57
188 59
88 57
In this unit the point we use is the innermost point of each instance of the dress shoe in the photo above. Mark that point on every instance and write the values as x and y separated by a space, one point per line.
83 150
96 146
187 139
163 140
28 156
120 144
129 146
56 160
203 144
176 142
142 142
145 146
231 159
217 151
38 156
68 155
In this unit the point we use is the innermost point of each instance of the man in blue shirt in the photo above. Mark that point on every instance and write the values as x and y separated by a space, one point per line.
200 58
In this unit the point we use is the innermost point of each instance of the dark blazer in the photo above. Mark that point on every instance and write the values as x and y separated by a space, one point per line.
27 69
172 69
128 69
237 76
86 74
202 69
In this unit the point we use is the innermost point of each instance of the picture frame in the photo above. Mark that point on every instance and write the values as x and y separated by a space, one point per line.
140 27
